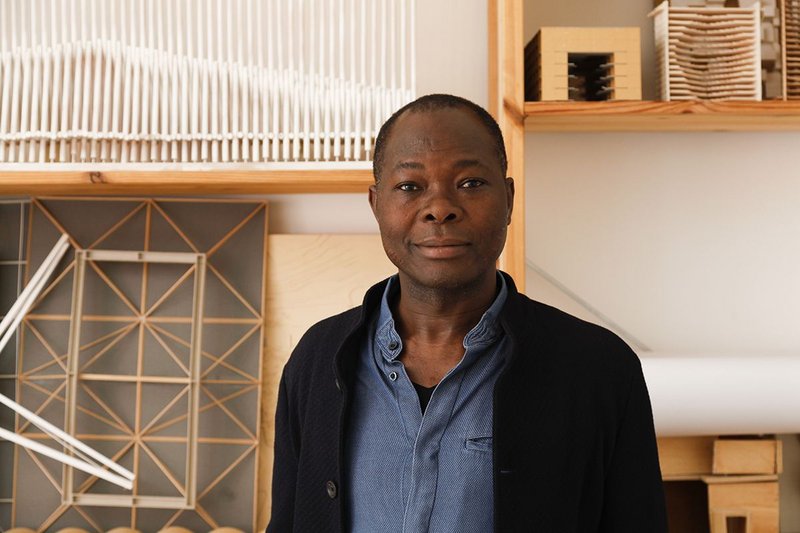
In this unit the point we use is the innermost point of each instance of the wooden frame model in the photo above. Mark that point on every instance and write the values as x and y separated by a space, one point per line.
191 381
223 375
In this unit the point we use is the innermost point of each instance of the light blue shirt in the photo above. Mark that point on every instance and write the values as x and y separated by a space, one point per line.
412 473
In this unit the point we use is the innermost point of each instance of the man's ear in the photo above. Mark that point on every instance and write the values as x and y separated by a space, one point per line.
373 199
510 198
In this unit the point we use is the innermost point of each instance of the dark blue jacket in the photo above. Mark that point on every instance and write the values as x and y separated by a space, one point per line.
574 445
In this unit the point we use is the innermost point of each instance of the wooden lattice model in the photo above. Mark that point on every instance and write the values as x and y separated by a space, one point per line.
584 64
772 40
147 345
708 53
791 40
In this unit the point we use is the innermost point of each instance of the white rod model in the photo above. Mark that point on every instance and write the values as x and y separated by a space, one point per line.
64 438
66 459
84 81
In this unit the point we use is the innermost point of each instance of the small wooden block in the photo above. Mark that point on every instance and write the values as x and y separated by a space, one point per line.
747 456
685 457
756 503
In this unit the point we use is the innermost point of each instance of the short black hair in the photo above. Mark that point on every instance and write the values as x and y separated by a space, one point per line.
435 102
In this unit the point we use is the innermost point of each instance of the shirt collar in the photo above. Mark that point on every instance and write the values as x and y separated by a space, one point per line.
390 344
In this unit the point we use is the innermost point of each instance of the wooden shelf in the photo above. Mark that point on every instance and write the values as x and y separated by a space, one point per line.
155 179
662 116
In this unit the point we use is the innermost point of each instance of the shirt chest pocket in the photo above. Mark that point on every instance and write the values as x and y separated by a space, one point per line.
479 444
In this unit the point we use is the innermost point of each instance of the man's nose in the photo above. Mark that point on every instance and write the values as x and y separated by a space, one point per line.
441 207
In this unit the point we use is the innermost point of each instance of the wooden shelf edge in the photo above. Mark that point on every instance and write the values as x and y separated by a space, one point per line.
662 116
18 180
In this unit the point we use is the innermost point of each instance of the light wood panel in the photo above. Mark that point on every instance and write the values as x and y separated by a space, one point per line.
36 179
506 100
309 277
661 116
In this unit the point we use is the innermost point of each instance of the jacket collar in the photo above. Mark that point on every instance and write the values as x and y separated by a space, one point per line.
512 319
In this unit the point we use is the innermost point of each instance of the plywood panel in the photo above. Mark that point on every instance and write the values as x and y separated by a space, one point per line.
309 277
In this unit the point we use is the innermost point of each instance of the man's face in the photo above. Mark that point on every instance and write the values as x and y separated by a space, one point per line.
442 204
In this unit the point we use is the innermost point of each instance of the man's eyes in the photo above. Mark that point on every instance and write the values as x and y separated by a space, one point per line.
408 187
471 183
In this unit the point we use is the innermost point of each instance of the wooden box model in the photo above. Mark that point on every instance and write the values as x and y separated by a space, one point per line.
585 64
708 53
739 475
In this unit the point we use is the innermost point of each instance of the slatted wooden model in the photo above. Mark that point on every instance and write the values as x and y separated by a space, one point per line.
709 53
149 356
791 39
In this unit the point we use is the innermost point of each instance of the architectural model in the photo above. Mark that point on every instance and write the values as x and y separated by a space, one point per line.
205 81
708 53
584 64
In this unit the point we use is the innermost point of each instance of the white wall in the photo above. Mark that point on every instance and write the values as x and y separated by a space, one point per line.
689 241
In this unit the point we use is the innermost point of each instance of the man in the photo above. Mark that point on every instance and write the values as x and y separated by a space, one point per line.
449 402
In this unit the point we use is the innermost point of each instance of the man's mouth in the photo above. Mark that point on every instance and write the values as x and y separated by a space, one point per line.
442 248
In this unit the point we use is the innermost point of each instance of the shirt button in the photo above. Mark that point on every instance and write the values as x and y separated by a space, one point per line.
393 345
393 376
330 486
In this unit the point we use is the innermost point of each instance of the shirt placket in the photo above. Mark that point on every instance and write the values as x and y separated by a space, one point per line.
426 444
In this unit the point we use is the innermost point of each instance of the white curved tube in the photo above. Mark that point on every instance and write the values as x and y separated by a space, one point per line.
723 395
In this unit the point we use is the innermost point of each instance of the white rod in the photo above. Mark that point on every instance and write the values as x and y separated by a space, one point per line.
30 299
26 94
55 255
44 124
78 84
64 437
65 459
58 60
35 100
118 100
145 64
5 103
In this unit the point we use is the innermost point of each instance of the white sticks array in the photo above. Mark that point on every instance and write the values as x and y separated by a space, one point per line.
709 53
201 80
89 460
791 38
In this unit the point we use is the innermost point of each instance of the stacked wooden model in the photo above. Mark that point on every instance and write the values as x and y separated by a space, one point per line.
583 64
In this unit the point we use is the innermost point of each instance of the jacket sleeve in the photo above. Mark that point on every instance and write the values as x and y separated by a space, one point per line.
634 493
284 469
